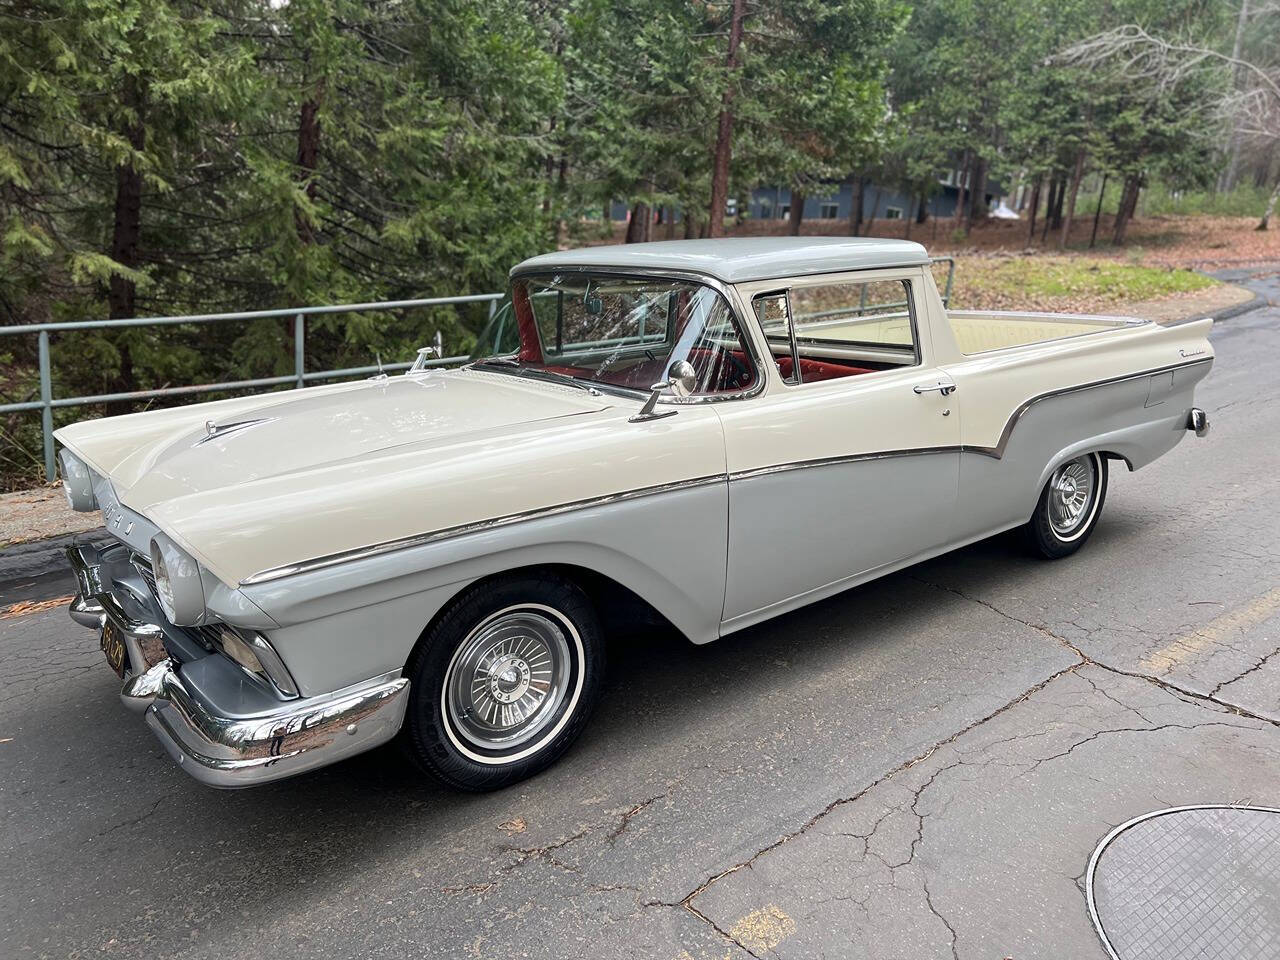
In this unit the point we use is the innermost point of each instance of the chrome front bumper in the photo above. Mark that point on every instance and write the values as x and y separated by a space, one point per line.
245 736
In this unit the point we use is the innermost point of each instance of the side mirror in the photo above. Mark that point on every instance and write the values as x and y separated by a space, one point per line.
681 380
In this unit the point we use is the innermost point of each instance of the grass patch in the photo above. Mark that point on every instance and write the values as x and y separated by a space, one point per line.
1065 283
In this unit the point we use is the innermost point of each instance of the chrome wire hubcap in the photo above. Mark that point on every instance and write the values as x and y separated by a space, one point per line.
1071 492
507 679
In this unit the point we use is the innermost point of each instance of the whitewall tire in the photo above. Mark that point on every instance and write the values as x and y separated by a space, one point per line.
504 680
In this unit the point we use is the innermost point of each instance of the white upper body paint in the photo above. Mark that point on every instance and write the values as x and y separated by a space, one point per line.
335 468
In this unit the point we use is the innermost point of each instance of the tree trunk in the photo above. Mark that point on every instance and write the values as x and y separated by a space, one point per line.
637 226
1048 208
922 212
977 209
1265 222
1071 200
690 226
1233 165
127 229
1059 196
797 213
1097 213
1128 202
557 219
855 206
1035 206
875 209
724 129
308 156
962 188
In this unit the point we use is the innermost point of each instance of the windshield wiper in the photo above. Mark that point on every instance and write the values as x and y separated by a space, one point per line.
533 373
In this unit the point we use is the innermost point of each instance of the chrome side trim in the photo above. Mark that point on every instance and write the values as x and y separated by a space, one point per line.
847 458
997 451
461 530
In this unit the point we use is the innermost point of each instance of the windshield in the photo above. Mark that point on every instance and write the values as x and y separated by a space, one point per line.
618 331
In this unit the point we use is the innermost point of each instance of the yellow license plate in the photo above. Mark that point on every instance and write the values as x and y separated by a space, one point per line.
112 642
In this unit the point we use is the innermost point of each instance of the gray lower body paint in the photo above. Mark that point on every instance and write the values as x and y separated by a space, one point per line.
344 623
721 555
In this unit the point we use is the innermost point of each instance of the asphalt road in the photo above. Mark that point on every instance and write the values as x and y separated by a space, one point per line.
918 768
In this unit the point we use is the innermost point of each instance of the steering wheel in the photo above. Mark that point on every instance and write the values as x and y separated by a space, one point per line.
733 373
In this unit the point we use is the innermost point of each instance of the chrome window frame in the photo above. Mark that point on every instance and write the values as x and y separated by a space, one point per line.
684 276
906 274
785 294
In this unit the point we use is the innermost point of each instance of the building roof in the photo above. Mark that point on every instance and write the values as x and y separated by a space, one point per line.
740 259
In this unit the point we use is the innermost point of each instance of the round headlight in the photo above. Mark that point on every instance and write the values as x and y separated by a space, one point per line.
77 482
178 585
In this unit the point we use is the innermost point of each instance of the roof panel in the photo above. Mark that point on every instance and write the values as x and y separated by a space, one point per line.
741 259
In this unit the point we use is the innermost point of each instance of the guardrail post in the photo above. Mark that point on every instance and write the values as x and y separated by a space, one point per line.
299 348
46 409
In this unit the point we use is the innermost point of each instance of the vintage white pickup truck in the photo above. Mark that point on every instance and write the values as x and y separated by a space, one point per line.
715 432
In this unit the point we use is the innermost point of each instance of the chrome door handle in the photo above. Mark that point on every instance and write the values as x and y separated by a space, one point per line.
944 387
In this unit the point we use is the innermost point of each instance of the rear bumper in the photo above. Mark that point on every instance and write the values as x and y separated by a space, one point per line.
246 736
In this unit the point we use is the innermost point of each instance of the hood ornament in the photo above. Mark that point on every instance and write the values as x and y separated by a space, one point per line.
214 430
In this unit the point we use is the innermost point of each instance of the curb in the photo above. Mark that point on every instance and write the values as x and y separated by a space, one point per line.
1226 313
38 558
1257 303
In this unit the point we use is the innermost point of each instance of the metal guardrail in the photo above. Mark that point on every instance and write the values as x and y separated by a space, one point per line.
300 376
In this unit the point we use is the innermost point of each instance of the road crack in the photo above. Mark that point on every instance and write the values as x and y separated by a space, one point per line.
905 765
1254 669
1082 659
1086 660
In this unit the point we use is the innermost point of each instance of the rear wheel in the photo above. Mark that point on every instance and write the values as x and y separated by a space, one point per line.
504 681
1069 507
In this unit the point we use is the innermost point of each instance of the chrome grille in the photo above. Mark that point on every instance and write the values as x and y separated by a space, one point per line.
148 574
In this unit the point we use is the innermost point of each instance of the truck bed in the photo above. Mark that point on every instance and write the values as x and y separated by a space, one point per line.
980 331
976 331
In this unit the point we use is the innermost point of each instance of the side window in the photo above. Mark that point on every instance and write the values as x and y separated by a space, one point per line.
825 331
875 314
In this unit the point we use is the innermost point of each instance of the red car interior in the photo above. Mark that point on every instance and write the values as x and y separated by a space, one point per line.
719 370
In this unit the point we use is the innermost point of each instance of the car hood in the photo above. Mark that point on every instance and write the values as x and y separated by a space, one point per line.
260 482
156 457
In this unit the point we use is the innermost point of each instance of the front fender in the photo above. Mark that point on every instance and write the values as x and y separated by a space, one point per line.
344 623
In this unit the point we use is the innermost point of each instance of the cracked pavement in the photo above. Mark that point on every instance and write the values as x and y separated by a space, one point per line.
917 768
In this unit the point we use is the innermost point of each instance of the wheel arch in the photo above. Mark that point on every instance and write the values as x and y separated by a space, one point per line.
615 603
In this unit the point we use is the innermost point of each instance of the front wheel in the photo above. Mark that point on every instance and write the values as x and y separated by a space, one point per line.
1069 507
504 681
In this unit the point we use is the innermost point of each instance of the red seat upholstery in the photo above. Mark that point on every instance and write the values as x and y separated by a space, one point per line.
812 370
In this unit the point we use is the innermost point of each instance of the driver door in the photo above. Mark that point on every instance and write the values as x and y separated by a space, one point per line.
849 462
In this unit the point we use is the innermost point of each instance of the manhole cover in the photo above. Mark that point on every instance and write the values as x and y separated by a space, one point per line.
1200 882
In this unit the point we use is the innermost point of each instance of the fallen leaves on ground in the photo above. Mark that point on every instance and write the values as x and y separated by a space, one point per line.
26 607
